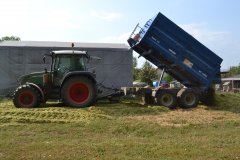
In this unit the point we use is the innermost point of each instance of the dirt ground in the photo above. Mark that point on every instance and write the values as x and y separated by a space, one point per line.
182 117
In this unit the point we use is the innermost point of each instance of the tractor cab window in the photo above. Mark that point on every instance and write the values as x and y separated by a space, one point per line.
66 63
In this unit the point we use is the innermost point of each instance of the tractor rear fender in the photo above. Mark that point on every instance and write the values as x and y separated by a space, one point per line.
89 75
39 89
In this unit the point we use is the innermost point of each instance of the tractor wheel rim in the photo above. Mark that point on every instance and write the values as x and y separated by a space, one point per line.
167 99
79 93
190 99
26 99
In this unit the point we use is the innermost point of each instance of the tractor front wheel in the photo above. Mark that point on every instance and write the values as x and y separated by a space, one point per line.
26 96
78 92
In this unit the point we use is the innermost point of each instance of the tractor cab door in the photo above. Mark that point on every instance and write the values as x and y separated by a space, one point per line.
64 64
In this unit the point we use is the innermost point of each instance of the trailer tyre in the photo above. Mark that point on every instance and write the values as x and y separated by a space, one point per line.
188 98
78 92
26 96
167 98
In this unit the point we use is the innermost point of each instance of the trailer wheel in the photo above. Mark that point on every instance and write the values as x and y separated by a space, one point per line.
167 98
26 96
188 98
78 92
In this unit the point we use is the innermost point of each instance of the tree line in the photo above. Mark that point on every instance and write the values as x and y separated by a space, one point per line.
10 38
147 73
235 70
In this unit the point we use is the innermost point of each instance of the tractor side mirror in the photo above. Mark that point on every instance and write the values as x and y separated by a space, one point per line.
44 59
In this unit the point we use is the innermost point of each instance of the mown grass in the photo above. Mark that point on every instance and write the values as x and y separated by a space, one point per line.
227 102
126 130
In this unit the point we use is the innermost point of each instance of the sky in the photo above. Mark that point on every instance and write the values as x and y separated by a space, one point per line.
215 23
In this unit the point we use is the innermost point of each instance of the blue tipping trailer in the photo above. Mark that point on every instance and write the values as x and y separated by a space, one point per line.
169 47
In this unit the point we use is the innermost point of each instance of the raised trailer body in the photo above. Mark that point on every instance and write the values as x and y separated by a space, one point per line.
169 47
166 45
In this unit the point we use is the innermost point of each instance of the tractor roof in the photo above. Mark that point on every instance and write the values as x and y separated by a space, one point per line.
69 52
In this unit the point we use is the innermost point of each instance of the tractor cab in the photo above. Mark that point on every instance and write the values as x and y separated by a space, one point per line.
69 61
64 62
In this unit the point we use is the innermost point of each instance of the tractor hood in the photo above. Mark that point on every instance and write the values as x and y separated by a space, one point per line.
35 77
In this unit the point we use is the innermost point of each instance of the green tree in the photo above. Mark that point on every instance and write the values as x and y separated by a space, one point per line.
148 73
168 78
10 38
234 70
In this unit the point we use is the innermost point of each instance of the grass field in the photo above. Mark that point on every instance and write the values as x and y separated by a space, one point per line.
126 130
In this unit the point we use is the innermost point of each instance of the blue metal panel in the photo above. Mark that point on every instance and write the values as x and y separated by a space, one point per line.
168 46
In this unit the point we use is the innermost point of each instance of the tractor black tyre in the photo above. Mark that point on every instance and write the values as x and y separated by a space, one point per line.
26 96
78 92
187 98
167 98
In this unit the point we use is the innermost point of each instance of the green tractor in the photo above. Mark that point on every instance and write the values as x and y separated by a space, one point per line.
68 81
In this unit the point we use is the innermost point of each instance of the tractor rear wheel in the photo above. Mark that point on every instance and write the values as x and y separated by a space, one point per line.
78 92
167 98
188 98
26 96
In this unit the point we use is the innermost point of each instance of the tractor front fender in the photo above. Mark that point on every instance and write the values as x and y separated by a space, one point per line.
39 89
89 75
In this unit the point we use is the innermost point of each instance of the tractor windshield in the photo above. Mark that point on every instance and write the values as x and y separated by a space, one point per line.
65 63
